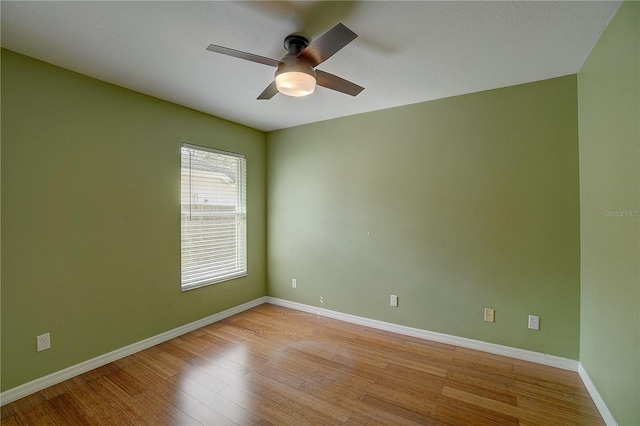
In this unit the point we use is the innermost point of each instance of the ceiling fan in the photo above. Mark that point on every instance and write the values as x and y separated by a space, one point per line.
296 74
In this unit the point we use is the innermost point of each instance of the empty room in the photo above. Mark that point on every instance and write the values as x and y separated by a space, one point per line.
318 212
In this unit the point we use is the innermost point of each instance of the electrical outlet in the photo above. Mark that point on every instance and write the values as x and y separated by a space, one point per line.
394 300
294 283
489 315
534 322
43 342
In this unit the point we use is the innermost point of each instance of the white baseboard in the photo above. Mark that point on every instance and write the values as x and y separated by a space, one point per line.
36 385
596 397
522 354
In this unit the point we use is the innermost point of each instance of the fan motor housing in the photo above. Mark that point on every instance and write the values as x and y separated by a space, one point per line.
295 43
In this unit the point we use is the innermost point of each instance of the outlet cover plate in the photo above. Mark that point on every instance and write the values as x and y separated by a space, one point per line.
489 315
534 322
43 342
393 301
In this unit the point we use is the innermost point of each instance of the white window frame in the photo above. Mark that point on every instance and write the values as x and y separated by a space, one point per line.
213 234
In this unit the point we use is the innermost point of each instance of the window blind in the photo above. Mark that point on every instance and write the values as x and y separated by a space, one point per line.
213 216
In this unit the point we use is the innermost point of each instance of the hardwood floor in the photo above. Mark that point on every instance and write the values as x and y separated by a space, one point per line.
276 366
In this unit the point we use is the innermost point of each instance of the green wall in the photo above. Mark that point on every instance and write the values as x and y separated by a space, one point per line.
454 205
609 113
90 217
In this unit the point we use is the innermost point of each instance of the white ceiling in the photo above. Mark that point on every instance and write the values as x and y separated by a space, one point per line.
406 52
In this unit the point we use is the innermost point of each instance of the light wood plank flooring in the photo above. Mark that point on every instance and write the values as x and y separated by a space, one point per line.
276 366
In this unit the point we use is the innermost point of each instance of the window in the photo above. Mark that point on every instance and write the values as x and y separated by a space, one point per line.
213 216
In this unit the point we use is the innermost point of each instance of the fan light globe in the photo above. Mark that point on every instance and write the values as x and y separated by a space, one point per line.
295 83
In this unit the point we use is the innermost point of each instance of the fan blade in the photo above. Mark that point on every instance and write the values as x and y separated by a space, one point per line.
269 92
243 55
334 82
327 44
